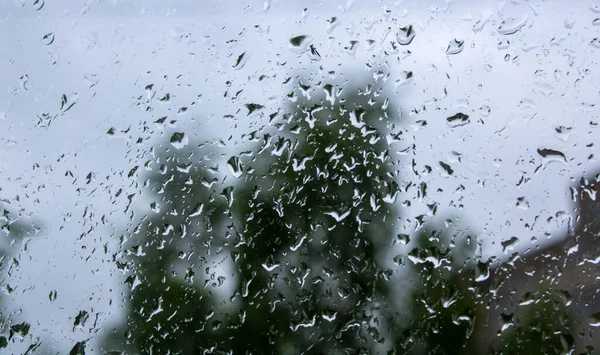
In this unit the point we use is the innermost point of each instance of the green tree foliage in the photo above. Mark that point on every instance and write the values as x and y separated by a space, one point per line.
14 227
294 256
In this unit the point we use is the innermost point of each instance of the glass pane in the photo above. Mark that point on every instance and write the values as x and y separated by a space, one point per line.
299 177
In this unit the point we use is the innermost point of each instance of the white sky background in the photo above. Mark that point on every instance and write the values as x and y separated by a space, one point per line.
105 53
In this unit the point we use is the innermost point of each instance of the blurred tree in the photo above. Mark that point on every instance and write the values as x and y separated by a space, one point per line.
295 257
14 227
446 298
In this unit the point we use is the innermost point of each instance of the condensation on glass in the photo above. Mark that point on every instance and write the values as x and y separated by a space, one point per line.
299 177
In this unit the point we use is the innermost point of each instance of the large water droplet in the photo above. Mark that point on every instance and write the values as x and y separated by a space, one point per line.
460 119
551 154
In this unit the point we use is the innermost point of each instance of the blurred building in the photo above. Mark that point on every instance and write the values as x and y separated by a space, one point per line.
560 278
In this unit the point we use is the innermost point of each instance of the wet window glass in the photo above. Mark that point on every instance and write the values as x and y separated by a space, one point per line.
299 177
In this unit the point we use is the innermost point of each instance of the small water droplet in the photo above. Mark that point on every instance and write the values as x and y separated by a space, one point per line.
179 140
406 35
522 203
509 244
80 319
569 23
235 166
595 319
253 107
299 44
38 4
196 211
447 168
241 61
527 299
403 239
332 24
78 349
507 321
48 38
479 25
339 216
456 46
512 25
404 78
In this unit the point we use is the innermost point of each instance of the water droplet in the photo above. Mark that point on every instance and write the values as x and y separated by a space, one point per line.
357 118
522 203
503 44
299 44
332 24
460 119
241 61
405 35
179 140
526 103
404 78
563 133
528 298
235 166
197 210
78 349
595 319
481 271
339 216
298 243
80 319
313 53
456 46
509 244
447 168
551 154
19 330
253 107
512 25
403 239
480 24
507 321
391 192
48 38
38 4
569 23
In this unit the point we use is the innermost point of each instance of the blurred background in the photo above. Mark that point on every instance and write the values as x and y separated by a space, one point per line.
298 177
